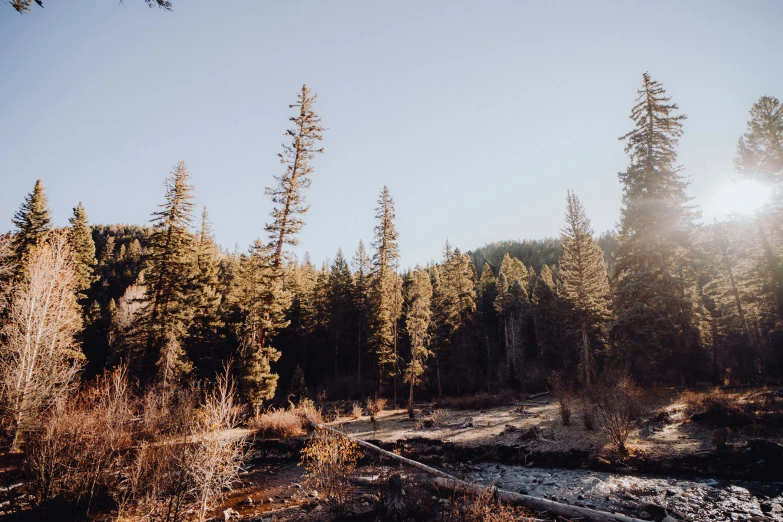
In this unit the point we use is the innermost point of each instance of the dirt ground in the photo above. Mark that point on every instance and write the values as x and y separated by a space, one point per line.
278 491
678 436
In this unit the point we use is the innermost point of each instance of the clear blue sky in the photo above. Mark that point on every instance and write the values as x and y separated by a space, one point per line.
477 115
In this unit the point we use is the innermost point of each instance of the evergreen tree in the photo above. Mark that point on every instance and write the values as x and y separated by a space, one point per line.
548 314
760 157
204 336
287 195
417 324
82 249
585 281
340 309
383 288
362 269
455 304
171 270
514 270
487 294
258 300
760 149
655 318
33 223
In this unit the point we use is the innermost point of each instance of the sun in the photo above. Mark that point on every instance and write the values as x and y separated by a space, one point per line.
740 197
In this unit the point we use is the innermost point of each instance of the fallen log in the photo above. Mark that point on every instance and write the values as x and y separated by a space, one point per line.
535 503
537 395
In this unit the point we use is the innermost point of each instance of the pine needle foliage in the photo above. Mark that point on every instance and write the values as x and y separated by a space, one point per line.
383 287
32 221
418 319
655 321
82 248
585 281
169 277
287 195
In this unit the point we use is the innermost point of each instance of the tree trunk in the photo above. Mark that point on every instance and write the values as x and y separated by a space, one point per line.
586 354
410 397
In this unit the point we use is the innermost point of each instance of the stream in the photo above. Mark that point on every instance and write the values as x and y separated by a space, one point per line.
696 499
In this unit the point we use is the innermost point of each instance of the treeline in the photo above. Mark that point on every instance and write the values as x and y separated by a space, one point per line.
663 299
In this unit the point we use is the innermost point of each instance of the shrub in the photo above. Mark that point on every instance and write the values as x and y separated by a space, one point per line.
483 507
375 406
717 408
588 414
617 407
356 411
287 422
564 393
105 447
720 438
329 460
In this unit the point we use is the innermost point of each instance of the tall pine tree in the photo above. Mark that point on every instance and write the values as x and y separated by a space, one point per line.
417 324
169 277
655 324
585 282
287 195
383 288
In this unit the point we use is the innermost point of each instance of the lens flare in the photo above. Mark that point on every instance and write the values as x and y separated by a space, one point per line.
740 197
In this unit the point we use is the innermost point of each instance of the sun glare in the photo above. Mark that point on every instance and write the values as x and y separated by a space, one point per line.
741 197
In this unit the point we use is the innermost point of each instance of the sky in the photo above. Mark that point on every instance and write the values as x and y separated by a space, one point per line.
478 116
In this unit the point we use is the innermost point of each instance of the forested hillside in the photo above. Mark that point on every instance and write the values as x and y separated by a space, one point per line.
664 298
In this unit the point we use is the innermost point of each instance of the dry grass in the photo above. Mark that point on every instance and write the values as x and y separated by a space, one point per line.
480 508
356 411
163 457
375 406
287 422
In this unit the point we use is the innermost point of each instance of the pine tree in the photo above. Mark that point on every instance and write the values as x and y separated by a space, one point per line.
585 281
171 271
487 294
760 157
83 249
548 314
383 287
341 310
455 303
417 324
204 334
287 195
514 270
33 223
259 300
760 149
655 318
362 269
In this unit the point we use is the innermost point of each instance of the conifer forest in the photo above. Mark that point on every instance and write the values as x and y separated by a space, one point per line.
148 372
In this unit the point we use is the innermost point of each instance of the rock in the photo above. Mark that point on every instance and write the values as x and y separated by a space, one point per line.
645 515
654 510
248 501
269 500
313 494
228 513
669 518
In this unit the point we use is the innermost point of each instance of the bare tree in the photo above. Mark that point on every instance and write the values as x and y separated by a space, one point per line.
39 355
216 455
